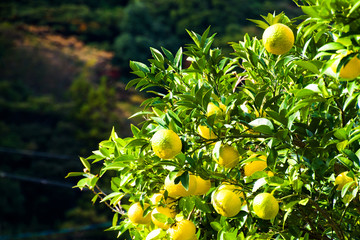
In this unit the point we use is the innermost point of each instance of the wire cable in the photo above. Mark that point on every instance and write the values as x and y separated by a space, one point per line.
56 232
35 153
34 180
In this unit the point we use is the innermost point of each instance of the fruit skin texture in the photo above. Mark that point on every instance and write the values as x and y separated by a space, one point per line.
219 111
164 210
206 132
342 179
178 190
226 202
265 206
183 230
278 39
236 189
228 156
202 186
166 144
351 70
136 212
252 167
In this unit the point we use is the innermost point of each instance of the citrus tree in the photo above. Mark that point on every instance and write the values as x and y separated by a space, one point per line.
263 144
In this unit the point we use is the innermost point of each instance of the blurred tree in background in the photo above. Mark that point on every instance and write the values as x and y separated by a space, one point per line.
63 66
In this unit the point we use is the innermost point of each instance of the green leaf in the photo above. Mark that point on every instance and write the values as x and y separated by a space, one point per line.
160 217
137 142
136 66
216 226
346 187
260 23
351 155
85 163
184 178
157 55
304 93
202 205
75 174
341 134
356 6
312 11
262 125
333 46
307 65
178 58
115 219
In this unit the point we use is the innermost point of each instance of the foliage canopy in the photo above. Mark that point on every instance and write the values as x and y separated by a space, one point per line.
291 108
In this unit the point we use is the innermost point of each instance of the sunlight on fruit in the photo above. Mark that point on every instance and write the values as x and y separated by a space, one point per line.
226 202
351 70
178 190
202 186
164 213
228 156
136 212
182 230
252 167
166 144
278 39
206 132
265 206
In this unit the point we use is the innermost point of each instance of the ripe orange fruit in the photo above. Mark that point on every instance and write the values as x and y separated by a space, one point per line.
351 69
228 156
278 39
183 230
206 132
212 109
202 186
178 190
342 179
258 165
226 202
136 213
167 212
265 206
166 144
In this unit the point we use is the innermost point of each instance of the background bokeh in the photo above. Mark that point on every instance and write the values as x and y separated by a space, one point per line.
63 68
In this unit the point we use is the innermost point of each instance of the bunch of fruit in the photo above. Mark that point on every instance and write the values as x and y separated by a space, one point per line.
260 146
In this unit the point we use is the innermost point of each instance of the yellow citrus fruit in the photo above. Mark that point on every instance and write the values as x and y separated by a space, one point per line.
252 167
136 214
183 230
226 202
156 198
351 70
168 212
202 186
342 179
278 39
212 109
166 144
265 206
228 156
178 190
159 197
206 132
234 188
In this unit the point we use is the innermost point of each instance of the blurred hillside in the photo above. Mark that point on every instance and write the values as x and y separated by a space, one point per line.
63 68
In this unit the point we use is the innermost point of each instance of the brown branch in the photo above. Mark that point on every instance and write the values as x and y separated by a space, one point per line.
333 225
99 193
